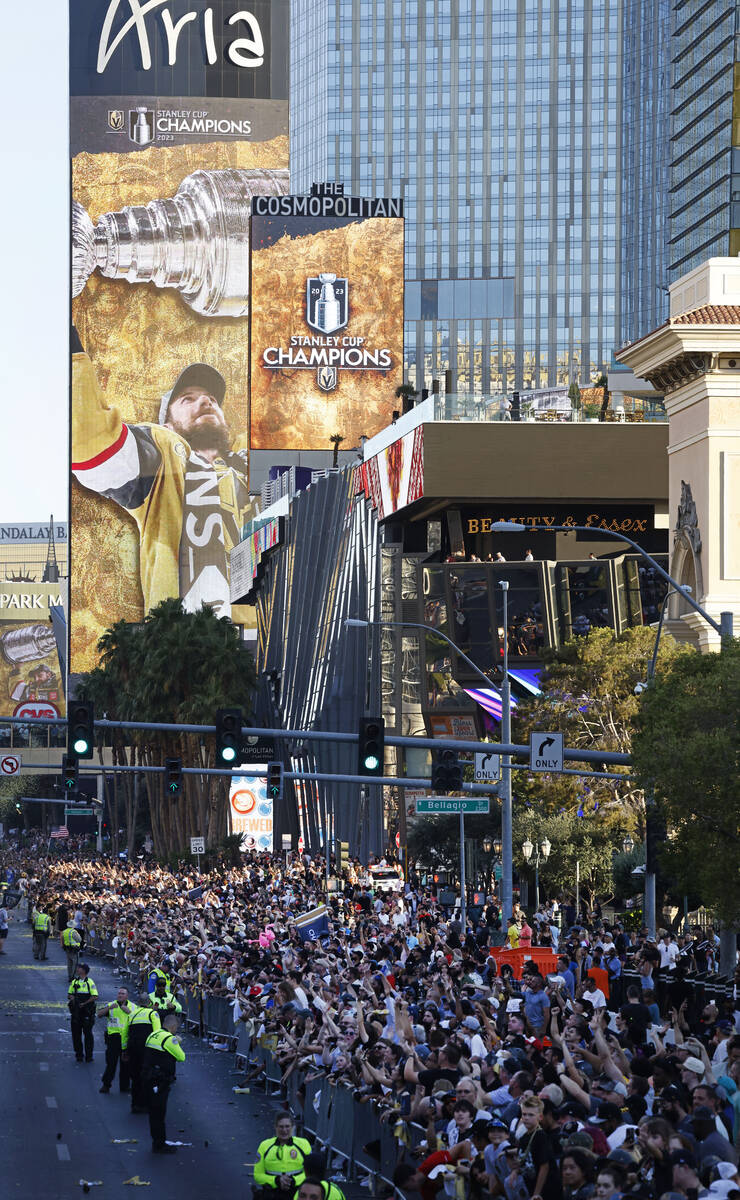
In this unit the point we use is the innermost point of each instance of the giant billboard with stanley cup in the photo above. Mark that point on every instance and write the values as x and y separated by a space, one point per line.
178 119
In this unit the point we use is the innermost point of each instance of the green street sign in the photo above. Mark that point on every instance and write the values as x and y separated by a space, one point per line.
453 804
498 872
78 812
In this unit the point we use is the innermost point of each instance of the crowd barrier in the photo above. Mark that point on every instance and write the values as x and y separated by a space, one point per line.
542 956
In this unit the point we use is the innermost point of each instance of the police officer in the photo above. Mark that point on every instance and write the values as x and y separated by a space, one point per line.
162 998
82 995
161 1051
315 1166
119 1013
41 924
155 974
312 1189
144 1020
279 1166
71 941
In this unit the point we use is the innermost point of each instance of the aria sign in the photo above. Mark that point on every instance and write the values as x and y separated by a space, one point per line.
246 51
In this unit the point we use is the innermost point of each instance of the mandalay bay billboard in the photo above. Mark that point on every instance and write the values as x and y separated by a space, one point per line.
326 324
178 119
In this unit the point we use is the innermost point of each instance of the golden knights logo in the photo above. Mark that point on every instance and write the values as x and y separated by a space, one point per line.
327 378
115 119
326 303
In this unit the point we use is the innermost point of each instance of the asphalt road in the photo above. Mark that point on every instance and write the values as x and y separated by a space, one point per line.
55 1127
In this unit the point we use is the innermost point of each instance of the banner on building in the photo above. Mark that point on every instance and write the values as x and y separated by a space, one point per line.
178 118
251 814
394 477
326 328
31 681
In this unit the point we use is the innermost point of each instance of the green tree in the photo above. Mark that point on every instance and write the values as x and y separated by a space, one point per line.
686 750
589 842
11 791
178 668
574 395
588 692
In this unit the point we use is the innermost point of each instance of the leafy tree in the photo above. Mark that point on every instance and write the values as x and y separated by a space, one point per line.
12 789
686 749
589 841
178 668
574 395
588 692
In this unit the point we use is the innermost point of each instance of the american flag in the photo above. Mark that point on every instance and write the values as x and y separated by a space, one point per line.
61 832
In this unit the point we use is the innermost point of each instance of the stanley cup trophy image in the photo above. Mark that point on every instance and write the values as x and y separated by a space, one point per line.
197 241
327 309
28 643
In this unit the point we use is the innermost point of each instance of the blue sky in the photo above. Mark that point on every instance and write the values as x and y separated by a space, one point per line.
34 307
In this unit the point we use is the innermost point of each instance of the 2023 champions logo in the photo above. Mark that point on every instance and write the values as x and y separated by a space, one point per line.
327 312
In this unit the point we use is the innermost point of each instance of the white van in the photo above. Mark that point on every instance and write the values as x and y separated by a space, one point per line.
383 879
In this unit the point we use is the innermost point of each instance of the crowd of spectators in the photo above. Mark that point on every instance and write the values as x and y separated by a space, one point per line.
602 1075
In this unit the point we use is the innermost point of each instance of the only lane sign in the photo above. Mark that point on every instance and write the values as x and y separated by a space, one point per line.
545 751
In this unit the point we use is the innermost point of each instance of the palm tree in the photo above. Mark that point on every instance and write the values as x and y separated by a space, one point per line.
174 668
336 440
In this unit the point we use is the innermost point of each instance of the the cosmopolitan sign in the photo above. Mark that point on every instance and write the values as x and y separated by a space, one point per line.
320 204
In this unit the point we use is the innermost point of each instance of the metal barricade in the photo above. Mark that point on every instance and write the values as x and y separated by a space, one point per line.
311 1105
368 1140
391 1150
192 1012
243 1043
341 1131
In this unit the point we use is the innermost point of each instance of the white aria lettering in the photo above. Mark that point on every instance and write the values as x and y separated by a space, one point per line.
173 33
243 52
253 45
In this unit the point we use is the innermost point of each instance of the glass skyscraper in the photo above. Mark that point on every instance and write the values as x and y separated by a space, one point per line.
499 125
705 141
646 154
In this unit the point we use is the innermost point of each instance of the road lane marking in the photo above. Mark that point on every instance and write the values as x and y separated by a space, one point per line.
62 1152
51 1102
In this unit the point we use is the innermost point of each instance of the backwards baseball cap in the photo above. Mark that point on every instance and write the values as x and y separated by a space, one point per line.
682 1158
695 1065
196 375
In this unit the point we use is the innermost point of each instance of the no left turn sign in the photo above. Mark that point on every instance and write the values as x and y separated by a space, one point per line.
10 764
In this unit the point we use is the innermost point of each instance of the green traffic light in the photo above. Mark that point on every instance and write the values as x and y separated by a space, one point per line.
228 753
174 786
81 746
372 762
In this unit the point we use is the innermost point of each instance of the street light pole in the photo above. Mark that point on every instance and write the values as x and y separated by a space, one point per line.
650 905
507 850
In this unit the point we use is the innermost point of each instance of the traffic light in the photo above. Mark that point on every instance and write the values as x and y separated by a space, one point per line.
80 729
447 772
228 736
173 776
342 856
69 773
274 780
372 738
